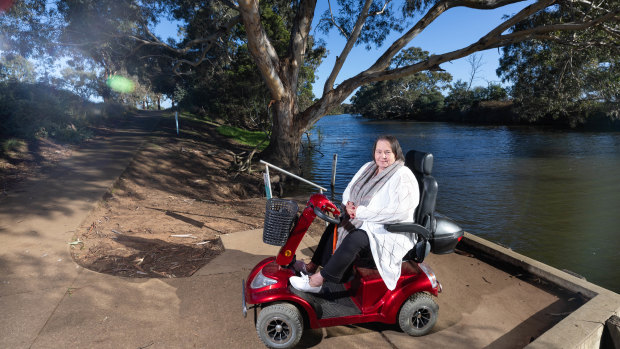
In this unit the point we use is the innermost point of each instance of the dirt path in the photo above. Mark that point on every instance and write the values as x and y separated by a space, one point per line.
38 218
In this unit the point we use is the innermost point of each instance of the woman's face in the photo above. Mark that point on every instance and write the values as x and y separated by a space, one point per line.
384 156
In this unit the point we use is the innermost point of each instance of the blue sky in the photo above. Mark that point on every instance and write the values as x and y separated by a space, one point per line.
453 30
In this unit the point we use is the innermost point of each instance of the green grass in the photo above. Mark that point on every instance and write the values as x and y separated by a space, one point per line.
251 138
14 144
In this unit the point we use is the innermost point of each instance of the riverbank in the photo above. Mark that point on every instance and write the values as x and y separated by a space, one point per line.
503 113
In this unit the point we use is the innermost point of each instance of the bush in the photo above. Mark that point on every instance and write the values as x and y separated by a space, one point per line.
30 111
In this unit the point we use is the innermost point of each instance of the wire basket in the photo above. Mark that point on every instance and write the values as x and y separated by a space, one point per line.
280 216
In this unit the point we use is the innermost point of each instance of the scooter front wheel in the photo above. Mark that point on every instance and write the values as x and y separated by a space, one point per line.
280 325
418 314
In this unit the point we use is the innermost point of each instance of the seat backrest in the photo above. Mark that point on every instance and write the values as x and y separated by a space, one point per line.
421 164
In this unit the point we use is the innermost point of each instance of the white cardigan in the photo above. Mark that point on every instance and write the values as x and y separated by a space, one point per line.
395 202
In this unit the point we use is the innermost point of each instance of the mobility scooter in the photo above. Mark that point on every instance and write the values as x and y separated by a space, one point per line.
364 297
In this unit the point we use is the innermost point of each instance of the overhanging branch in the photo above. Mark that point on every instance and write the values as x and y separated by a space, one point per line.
493 39
357 29
209 41
431 15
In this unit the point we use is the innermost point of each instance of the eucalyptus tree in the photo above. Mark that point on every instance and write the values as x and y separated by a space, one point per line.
368 23
414 96
17 68
570 75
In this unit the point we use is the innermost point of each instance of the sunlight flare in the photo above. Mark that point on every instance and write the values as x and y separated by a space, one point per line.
120 84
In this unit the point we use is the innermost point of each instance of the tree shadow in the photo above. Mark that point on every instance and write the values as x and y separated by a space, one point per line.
152 258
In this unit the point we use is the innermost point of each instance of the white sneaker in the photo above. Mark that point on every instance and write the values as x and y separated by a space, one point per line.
302 283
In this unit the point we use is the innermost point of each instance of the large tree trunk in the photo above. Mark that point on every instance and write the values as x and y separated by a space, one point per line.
281 76
285 141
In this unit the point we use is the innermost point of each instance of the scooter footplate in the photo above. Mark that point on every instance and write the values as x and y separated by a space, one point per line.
333 301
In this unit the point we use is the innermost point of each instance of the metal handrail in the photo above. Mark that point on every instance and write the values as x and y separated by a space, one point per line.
267 165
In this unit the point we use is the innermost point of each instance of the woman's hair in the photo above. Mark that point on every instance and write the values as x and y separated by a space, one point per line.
398 152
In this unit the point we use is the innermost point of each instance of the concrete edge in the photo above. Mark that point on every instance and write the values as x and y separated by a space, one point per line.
581 329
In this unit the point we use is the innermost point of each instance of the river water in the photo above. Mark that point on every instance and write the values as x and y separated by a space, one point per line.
551 195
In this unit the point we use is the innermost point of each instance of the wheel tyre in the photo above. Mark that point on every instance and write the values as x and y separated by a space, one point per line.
418 315
280 325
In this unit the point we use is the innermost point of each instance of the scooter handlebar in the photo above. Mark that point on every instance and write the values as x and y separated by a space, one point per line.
319 213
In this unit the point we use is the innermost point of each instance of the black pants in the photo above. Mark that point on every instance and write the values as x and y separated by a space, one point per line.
335 266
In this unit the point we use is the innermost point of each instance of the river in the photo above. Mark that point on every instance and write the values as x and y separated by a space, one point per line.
551 195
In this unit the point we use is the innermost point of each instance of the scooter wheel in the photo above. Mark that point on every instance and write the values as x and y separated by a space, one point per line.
280 325
418 314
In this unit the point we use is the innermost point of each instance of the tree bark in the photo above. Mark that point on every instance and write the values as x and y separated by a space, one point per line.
285 141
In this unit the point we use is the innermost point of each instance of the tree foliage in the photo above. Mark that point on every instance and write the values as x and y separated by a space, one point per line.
571 75
409 97
461 98
15 67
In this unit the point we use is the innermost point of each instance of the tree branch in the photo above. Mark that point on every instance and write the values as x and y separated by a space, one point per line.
357 29
384 61
299 39
382 9
209 40
487 42
261 49
334 21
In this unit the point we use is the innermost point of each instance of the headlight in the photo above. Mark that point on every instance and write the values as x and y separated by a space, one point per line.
430 274
261 280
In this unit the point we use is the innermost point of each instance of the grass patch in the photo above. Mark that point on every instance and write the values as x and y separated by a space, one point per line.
184 115
251 138
14 145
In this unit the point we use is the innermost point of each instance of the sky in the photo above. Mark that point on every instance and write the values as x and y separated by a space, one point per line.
454 29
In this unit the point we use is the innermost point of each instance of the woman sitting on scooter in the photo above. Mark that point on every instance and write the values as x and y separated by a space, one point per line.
383 191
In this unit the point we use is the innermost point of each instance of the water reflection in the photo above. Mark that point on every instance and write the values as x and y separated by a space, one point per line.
551 195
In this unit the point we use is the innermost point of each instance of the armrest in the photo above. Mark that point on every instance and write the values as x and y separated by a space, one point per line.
408 228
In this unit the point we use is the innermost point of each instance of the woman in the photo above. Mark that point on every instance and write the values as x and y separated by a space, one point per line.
383 191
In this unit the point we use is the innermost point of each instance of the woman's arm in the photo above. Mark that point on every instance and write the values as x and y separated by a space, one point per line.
393 203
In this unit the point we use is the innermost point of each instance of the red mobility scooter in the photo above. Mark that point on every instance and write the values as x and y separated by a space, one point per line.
286 311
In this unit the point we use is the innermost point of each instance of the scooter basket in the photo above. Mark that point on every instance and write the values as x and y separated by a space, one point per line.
280 216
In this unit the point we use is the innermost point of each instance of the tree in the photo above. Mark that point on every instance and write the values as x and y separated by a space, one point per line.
475 63
368 22
16 67
557 78
413 96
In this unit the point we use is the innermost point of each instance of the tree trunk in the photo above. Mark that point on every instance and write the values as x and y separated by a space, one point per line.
285 141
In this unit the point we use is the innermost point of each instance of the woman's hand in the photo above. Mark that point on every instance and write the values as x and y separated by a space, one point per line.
351 209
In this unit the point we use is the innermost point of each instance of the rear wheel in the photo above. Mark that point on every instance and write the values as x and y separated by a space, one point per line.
418 314
280 325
